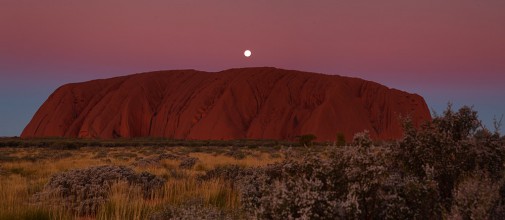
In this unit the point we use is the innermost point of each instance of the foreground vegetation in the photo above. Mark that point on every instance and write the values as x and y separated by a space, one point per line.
450 168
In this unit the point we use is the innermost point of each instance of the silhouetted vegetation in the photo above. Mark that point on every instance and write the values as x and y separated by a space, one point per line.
340 139
306 139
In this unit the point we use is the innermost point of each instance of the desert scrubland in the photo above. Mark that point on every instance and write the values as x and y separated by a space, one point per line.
450 168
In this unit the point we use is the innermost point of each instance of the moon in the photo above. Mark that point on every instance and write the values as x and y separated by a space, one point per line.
247 53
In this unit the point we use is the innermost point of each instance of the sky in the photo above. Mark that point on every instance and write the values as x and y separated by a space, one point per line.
446 51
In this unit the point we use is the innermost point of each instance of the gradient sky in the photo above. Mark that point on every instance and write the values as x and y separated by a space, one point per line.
444 50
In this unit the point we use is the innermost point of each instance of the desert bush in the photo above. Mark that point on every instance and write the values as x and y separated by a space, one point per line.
366 169
123 155
188 162
65 145
340 139
362 139
190 210
377 189
429 174
100 154
475 197
454 145
168 156
293 189
230 172
306 140
147 162
83 191
498 211
275 155
236 153
355 182
154 161
48 155
11 143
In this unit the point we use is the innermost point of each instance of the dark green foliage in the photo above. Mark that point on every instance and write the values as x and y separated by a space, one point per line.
10 142
453 145
340 139
306 139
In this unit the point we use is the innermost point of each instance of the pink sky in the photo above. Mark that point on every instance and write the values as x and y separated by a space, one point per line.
451 50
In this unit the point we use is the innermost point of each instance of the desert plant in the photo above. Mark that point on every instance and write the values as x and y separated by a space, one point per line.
475 197
232 173
192 209
306 139
236 153
340 139
362 139
454 145
306 189
84 190
188 162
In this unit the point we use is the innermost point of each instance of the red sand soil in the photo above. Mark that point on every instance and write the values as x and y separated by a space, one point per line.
248 103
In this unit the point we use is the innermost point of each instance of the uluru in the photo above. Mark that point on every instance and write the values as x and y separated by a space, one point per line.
244 103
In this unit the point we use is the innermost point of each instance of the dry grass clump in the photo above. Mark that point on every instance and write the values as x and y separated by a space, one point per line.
127 201
193 209
188 163
83 191
236 153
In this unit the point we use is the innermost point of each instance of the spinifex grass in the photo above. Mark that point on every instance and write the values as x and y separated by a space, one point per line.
25 171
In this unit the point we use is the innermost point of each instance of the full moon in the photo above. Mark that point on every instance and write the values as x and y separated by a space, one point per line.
247 53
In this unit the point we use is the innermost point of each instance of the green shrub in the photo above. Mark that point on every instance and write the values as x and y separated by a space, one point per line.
340 139
362 139
306 140
454 144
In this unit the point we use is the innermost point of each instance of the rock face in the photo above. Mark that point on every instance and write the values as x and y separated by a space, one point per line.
248 103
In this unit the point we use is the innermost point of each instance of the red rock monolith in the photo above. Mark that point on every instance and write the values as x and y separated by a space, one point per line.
247 103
